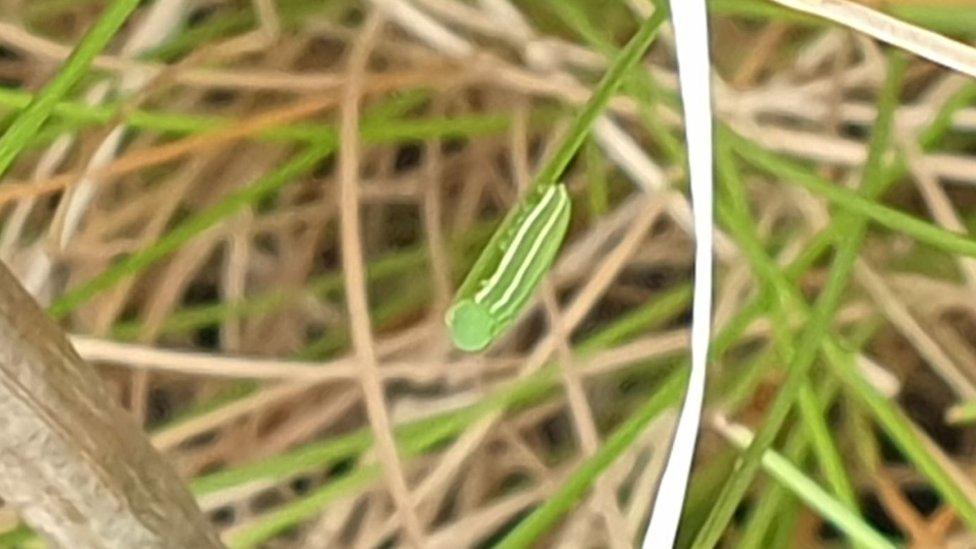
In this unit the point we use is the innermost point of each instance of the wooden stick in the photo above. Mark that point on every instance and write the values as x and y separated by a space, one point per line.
72 462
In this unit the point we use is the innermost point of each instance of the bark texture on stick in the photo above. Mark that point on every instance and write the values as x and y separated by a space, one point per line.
72 462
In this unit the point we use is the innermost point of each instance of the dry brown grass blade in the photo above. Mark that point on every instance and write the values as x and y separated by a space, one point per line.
356 300
920 41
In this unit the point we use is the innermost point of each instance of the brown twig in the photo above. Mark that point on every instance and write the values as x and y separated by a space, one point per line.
356 300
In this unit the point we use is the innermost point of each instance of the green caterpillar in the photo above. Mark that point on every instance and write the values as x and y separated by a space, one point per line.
508 271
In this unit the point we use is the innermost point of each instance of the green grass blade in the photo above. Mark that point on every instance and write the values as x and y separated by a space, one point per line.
812 411
889 418
947 19
902 432
665 306
813 495
605 90
775 501
414 439
777 505
579 483
399 263
814 415
825 238
789 172
16 537
854 228
273 523
26 125
762 10
638 83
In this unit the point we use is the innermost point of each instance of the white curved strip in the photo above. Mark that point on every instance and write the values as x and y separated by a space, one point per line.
689 19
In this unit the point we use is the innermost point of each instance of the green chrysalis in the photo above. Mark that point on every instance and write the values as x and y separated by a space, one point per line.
509 269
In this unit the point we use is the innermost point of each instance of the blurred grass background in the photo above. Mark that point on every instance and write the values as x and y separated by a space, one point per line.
178 211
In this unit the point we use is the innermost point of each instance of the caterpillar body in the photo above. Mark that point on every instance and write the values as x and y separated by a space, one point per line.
505 277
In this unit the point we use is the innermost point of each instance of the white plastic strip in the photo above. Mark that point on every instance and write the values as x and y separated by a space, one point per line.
690 21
